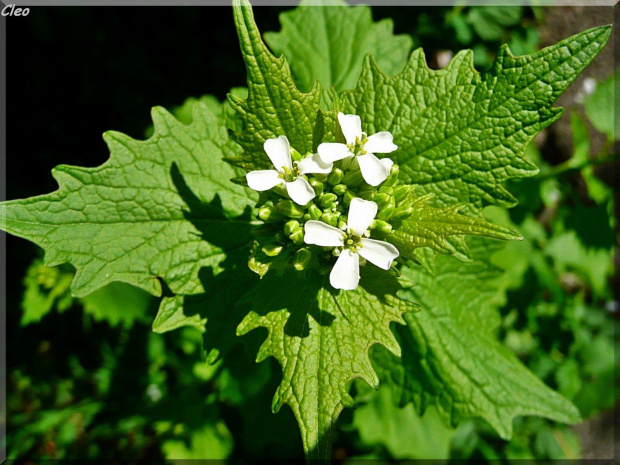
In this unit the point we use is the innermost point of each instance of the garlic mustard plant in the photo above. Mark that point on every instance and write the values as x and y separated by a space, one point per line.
160 214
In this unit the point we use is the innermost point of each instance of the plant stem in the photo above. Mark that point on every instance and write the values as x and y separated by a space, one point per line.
569 167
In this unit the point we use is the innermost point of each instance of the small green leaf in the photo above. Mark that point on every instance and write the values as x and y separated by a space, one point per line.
451 358
46 288
569 252
600 107
328 41
403 433
430 227
118 303
212 442
461 134
491 22
274 107
321 339
170 316
158 208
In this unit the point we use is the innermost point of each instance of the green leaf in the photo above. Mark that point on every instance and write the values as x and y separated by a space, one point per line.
451 358
213 313
569 252
328 41
597 189
430 227
212 442
403 433
46 288
158 208
600 107
491 22
171 316
118 303
461 134
274 107
321 339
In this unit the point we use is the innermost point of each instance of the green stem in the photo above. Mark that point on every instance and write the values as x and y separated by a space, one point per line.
569 167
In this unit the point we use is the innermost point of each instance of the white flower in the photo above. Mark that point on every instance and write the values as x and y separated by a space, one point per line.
279 152
352 243
374 170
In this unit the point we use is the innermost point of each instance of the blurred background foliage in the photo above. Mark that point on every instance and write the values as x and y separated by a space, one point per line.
87 378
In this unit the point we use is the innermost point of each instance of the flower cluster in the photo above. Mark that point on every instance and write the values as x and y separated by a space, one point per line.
328 204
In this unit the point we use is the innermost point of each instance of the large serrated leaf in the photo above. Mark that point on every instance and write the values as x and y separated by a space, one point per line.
328 40
451 358
158 208
322 340
274 107
462 134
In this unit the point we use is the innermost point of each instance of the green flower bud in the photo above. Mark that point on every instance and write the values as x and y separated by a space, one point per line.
386 190
307 216
290 227
290 209
270 214
272 250
353 178
342 224
280 237
382 199
381 226
335 177
327 201
348 196
401 192
386 212
340 189
295 155
330 218
316 185
315 212
392 177
297 237
302 259
402 212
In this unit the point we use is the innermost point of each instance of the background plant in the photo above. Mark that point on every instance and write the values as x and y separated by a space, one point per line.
269 391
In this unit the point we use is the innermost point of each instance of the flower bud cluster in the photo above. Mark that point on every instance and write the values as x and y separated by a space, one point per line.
279 241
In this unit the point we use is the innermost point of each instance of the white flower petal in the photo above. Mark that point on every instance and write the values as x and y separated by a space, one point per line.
319 233
314 164
373 171
379 253
381 142
300 191
279 152
387 163
351 126
333 151
346 272
361 214
263 180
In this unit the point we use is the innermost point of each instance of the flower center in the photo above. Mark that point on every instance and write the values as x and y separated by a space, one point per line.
357 148
352 241
289 175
